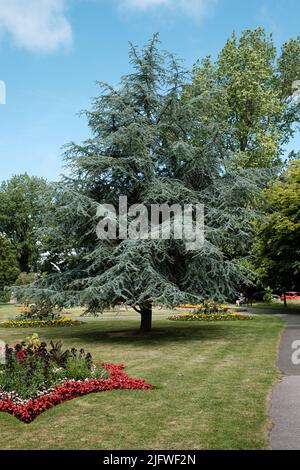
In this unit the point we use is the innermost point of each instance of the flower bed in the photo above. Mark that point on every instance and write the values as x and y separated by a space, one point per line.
35 377
65 321
209 317
208 306
28 411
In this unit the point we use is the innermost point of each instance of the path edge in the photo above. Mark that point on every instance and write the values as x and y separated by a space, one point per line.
281 375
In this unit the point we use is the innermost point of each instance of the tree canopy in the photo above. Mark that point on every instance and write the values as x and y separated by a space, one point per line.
278 248
252 87
143 145
22 204
9 268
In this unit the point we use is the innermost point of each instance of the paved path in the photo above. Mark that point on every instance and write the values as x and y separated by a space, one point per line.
285 404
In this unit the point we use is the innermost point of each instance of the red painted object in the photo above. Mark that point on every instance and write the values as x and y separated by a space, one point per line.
27 412
291 296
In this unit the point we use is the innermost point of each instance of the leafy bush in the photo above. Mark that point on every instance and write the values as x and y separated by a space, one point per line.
25 278
57 354
268 295
9 266
76 368
211 307
4 297
42 310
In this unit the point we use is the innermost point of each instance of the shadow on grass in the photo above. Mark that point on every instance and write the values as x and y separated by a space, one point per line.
125 334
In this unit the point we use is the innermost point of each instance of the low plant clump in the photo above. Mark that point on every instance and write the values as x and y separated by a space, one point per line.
34 377
39 315
41 310
209 317
207 307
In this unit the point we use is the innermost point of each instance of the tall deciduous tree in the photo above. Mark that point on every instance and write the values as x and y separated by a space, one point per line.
252 95
9 268
22 204
143 147
278 248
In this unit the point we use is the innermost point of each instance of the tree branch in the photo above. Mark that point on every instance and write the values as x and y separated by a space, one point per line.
136 309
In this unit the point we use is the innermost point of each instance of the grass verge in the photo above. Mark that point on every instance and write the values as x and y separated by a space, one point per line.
292 307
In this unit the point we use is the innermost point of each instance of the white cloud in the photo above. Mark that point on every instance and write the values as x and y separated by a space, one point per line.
195 8
36 25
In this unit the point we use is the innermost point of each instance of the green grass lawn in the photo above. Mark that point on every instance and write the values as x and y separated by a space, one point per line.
293 307
213 383
8 311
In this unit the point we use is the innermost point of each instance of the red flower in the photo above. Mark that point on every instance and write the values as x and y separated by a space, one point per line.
20 356
27 412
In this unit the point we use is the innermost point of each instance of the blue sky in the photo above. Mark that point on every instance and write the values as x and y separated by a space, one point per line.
53 51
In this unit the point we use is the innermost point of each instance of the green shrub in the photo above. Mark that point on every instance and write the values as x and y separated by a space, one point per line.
268 295
25 278
77 369
41 310
4 297
211 307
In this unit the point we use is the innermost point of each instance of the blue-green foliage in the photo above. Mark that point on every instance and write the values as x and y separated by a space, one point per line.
142 145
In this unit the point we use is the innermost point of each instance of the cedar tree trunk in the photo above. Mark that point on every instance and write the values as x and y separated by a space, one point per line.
146 318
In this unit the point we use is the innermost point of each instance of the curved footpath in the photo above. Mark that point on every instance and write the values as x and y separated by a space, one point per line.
285 402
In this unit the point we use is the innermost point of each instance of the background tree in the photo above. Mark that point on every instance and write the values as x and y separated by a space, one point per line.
252 92
278 248
22 204
143 147
9 268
